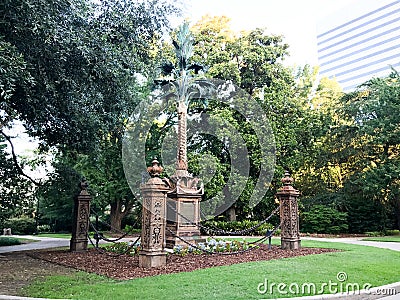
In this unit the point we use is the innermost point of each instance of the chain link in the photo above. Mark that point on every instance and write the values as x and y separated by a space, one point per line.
224 232
258 242
100 250
124 234
194 246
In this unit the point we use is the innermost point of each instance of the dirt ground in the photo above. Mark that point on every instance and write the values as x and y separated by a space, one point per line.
19 269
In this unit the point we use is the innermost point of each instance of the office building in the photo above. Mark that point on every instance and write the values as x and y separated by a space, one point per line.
359 42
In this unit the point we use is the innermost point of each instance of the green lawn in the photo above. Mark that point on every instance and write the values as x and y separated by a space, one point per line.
56 235
11 241
390 238
66 235
362 265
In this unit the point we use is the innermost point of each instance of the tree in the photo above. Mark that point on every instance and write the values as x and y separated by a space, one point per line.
318 175
213 36
74 64
55 197
16 193
367 146
72 76
108 184
253 61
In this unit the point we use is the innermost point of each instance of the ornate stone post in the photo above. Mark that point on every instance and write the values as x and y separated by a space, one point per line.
80 227
289 214
154 193
183 210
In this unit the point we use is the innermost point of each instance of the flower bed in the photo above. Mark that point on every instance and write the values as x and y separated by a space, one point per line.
130 248
212 245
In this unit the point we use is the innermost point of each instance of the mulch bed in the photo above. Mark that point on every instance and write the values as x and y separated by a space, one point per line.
127 267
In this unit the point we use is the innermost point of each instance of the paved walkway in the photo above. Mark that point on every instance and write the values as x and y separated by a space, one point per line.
43 243
358 241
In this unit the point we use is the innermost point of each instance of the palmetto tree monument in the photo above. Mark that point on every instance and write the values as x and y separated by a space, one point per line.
184 198
186 87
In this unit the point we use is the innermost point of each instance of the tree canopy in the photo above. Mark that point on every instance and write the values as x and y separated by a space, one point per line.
71 66
72 75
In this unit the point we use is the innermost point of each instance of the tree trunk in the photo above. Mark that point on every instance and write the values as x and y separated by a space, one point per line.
181 158
232 213
116 216
397 212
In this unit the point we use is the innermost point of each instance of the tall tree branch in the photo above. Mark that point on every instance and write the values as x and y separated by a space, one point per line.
15 160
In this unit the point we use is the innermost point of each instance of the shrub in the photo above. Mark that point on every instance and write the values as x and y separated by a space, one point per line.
324 219
231 226
392 232
44 228
374 233
9 241
130 229
124 248
382 233
22 225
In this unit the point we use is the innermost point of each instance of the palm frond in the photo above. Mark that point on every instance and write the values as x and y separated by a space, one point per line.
167 68
196 68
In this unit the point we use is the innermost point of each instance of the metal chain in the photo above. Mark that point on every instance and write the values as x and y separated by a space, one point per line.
102 237
241 232
259 241
221 231
100 250
124 234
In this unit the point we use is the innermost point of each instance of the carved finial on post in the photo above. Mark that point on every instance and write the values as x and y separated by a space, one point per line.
84 186
287 180
289 214
155 169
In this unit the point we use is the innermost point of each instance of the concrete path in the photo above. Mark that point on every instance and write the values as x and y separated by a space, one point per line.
43 243
358 241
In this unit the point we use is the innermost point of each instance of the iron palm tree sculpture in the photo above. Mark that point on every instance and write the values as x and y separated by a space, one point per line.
187 87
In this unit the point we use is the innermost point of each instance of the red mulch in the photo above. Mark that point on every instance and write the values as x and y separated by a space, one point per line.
127 267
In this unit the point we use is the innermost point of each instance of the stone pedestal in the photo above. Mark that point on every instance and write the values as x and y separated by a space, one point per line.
154 192
183 210
152 259
80 227
289 214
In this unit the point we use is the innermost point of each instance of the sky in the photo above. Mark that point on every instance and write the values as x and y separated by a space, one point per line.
296 20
